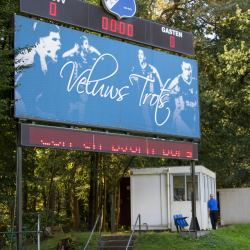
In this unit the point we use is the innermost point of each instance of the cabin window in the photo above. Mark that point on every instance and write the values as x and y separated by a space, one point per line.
182 187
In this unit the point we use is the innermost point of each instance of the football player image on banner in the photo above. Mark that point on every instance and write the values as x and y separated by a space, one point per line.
82 79
45 45
147 81
82 49
83 56
185 95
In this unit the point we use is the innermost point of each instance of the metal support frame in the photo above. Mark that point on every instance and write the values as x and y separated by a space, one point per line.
112 214
19 189
194 222
194 191
38 234
194 226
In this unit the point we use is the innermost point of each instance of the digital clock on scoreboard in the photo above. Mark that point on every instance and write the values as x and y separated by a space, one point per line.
92 17
76 139
117 26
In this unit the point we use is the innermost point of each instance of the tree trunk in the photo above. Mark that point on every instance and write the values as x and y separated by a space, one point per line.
58 202
67 199
34 198
118 208
75 208
104 203
52 205
92 193
82 214
44 197
100 197
96 208
115 198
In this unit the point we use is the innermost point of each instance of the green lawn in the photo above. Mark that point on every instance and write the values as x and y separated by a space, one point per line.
233 237
51 243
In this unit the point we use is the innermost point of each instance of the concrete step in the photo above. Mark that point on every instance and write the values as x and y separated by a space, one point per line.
118 237
115 248
116 242
119 243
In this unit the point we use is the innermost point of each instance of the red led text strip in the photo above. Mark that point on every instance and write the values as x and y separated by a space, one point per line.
88 141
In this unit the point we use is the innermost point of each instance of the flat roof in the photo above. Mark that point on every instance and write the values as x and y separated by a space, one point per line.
172 170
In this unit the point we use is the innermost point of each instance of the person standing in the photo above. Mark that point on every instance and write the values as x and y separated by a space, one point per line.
213 211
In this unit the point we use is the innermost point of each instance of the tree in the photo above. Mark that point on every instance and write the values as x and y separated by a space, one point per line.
226 103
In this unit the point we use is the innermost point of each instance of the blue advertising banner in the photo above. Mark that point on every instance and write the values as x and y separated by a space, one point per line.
82 79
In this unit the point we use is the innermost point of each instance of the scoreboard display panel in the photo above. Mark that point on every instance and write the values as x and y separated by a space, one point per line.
83 79
75 139
92 17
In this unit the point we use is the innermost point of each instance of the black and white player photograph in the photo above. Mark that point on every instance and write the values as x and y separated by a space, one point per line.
184 94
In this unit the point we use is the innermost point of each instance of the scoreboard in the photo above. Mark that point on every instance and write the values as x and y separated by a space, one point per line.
76 139
92 17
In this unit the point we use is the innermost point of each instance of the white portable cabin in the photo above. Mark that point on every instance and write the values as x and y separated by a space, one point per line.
159 193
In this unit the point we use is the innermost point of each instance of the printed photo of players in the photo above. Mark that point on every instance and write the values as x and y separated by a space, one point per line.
80 78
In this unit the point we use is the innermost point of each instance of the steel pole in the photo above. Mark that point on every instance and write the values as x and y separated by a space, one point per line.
194 194
112 214
194 222
38 234
140 224
19 197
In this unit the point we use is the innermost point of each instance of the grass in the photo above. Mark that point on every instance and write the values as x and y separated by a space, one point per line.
51 243
235 237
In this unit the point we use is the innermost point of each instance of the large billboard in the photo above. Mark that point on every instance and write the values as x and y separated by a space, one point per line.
83 79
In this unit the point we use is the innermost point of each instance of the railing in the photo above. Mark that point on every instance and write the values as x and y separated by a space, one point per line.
99 217
26 232
138 217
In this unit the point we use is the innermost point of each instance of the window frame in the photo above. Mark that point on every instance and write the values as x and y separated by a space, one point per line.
185 183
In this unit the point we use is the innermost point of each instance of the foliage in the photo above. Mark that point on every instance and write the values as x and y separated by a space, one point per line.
224 88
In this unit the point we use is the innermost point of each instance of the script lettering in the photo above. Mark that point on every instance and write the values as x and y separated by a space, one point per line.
158 101
87 83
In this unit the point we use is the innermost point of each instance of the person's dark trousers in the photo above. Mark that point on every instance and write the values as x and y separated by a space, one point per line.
214 218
